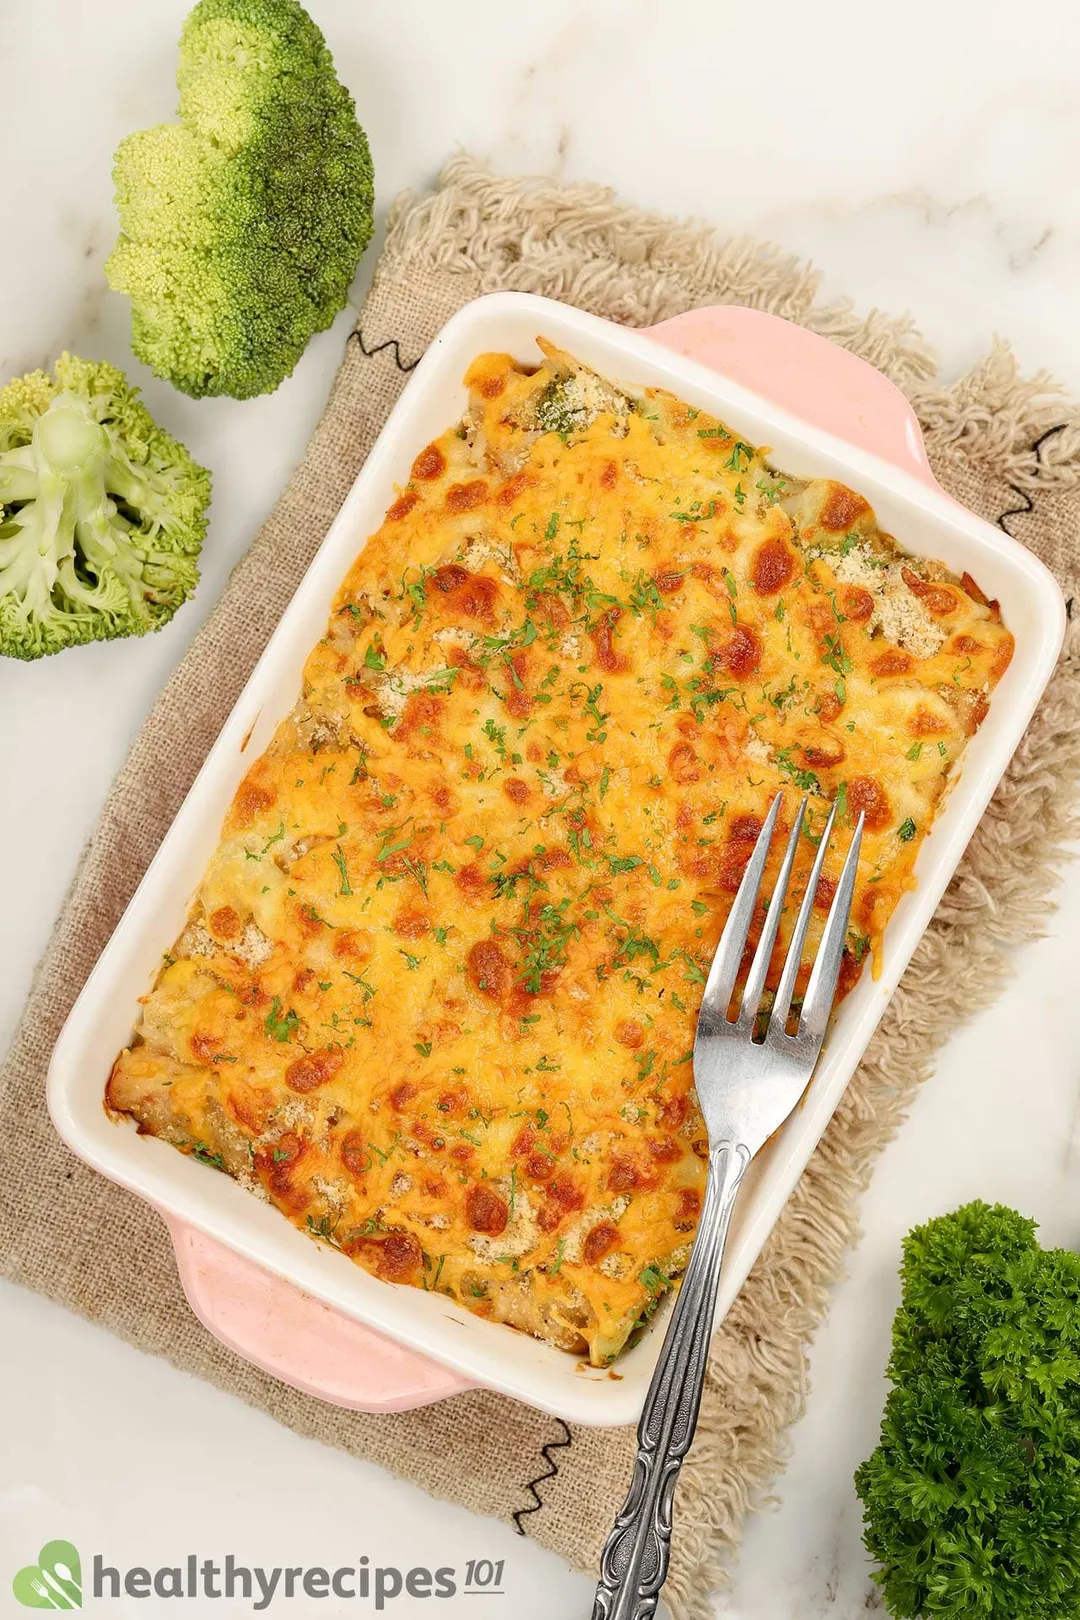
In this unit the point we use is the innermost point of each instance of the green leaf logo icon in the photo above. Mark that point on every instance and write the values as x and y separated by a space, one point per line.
54 1582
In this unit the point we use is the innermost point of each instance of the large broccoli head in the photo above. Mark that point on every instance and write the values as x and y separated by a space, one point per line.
243 224
101 513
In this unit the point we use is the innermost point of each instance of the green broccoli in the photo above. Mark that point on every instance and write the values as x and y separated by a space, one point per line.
242 226
972 1497
570 404
101 513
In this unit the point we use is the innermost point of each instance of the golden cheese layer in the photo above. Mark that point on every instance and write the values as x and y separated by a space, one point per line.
436 997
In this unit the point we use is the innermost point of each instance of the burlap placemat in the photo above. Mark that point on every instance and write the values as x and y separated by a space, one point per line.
1009 448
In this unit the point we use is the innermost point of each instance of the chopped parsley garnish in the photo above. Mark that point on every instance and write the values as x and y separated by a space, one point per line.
367 989
804 780
339 862
323 1229
388 848
835 656
773 491
545 945
496 735
645 597
654 1279
278 1025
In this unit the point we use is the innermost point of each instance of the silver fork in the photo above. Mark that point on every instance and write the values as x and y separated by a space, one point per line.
746 1088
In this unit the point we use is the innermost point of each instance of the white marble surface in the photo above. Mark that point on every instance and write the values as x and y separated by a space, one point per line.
926 158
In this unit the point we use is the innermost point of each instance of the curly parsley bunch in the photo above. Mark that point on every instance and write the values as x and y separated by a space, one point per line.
972 1498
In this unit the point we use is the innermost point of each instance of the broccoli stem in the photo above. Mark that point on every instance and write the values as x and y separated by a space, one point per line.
74 449
18 479
45 535
104 548
67 440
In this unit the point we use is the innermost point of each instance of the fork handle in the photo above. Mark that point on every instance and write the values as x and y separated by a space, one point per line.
634 1563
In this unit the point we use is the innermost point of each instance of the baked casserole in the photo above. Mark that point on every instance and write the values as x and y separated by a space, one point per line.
436 996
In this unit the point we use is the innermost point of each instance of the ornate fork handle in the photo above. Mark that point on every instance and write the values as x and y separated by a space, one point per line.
634 1563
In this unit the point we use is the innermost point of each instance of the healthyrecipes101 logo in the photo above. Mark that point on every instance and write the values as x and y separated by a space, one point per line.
55 1581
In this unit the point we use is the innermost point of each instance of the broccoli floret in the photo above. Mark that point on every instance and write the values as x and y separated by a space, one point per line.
571 404
242 226
102 514
561 408
972 1497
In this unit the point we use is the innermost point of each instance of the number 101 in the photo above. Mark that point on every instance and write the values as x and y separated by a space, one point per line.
482 1572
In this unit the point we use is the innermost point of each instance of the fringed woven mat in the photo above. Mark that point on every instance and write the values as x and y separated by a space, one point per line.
1006 446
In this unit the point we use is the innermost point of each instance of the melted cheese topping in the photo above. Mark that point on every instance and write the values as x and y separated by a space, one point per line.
436 998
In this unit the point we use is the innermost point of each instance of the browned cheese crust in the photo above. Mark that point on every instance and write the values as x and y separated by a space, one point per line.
436 996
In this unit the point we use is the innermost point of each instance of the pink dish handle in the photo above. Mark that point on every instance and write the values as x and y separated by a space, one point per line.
273 1324
298 1339
808 375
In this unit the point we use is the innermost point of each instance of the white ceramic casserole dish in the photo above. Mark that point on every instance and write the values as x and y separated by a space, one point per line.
226 1240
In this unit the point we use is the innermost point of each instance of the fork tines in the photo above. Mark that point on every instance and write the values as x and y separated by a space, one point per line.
714 1017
